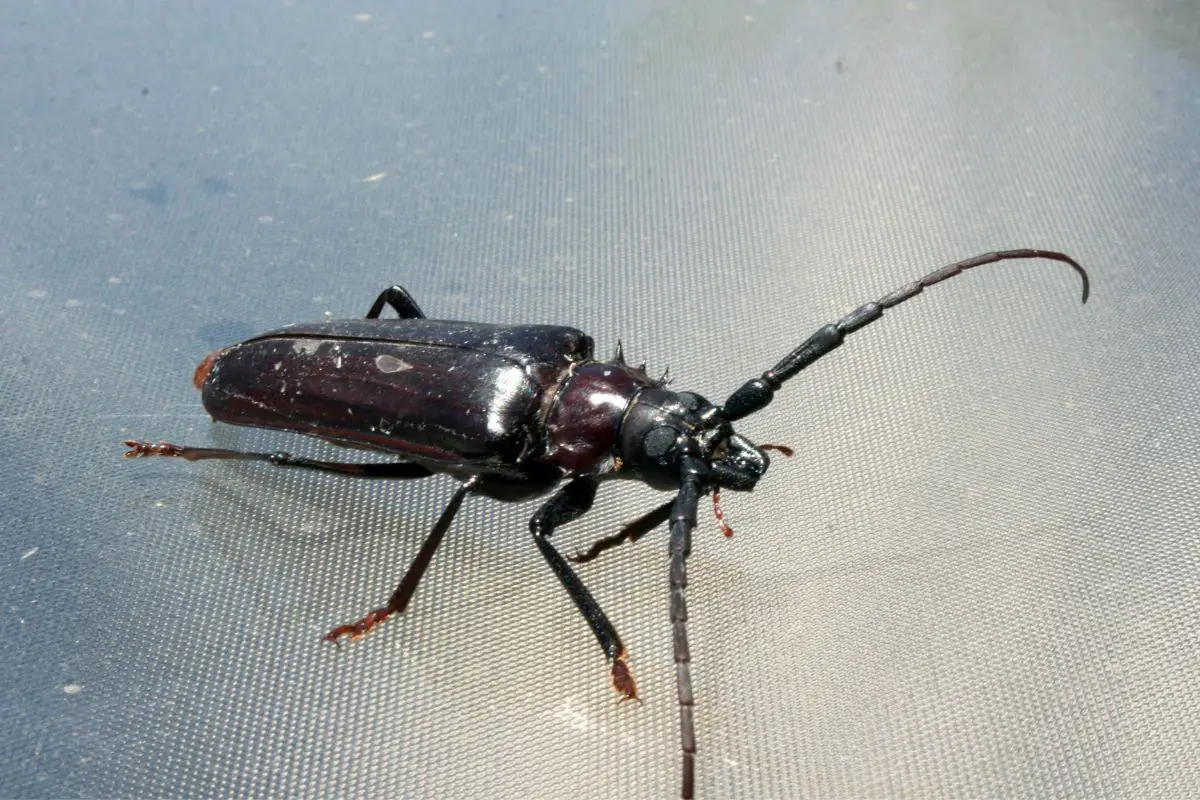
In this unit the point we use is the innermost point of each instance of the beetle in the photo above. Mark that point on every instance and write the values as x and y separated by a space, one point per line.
514 412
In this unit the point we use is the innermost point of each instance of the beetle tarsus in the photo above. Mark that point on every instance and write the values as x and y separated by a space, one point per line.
357 630
144 449
622 678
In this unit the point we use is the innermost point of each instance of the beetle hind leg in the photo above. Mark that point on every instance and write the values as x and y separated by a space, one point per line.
399 299
394 469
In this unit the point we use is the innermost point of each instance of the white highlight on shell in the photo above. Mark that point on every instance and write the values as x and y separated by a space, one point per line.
386 363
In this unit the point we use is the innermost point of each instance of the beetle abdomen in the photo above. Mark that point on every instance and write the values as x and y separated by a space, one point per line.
440 405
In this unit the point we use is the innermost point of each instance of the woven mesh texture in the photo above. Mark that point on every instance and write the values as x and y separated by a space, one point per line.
976 578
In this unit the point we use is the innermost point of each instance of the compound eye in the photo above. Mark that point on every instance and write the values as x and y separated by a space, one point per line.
659 443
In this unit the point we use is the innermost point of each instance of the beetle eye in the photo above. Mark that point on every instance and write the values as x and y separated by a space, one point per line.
659 442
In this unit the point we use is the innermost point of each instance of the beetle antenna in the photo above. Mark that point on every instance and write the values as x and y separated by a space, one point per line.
683 522
757 393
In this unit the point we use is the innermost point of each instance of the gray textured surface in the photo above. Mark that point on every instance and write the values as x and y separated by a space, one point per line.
978 578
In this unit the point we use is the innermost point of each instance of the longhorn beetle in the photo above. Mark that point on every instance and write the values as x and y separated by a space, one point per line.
512 411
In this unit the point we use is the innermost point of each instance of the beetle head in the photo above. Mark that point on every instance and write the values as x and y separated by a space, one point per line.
650 438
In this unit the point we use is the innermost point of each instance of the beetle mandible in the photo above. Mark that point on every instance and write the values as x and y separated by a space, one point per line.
513 411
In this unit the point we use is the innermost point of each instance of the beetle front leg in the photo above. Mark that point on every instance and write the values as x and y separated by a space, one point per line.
630 533
569 503
408 584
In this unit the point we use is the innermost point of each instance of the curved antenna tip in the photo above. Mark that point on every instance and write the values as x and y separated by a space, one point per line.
1087 284
1075 265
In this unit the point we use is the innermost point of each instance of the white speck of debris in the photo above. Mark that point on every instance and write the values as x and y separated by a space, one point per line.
72 688
362 17
573 717
427 34
37 294
266 218
386 363
378 176
114 280
73 303
29 553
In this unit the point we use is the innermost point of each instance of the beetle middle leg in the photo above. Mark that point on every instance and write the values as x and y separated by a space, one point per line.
569 503
408 584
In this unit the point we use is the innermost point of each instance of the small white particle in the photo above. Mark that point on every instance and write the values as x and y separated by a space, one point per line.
29 553
37 294
72 688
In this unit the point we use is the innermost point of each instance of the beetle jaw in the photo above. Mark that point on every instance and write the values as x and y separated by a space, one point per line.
739 465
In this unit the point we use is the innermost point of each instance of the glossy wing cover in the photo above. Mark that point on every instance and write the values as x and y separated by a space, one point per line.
444 394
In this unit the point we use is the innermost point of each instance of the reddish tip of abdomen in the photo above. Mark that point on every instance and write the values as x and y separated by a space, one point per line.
204 368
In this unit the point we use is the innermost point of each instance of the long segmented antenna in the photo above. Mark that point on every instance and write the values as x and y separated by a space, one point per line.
694 473
756 394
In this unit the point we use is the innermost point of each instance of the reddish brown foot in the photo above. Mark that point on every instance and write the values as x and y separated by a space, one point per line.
359 629
778 448
139 449
622 679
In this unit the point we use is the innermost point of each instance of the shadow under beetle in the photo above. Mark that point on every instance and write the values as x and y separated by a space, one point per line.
512 411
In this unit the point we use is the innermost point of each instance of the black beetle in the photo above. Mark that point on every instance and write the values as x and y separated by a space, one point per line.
512 411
